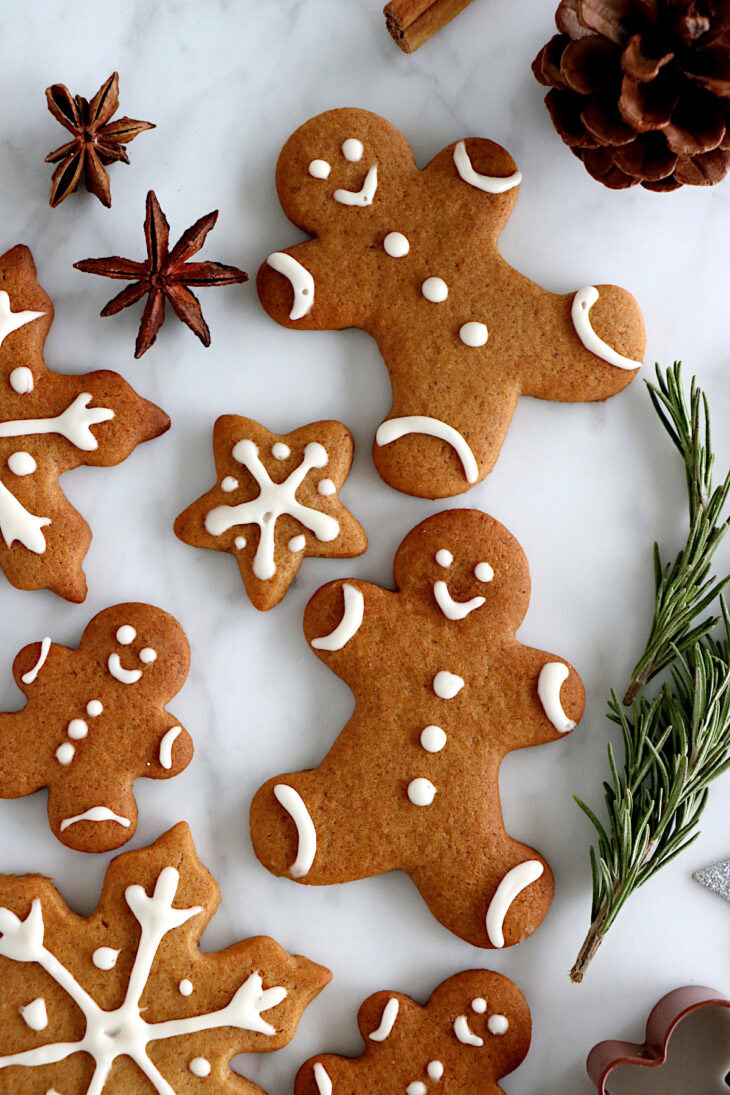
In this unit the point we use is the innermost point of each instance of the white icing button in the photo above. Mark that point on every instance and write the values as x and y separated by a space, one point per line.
447 685
148 655
319 169
435 1070
21 463
65 753
185 987
421 791
433 739
444 558
200 1066
498 1024
126 635
229 484
94 708
436 290
77 728
483 572
416 1088
297 543
473 334
325 487
105 958
21 380
240 542
479 1005
396 245
280 451
352 149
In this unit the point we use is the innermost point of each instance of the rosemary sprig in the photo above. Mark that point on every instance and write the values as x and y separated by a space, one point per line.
678 742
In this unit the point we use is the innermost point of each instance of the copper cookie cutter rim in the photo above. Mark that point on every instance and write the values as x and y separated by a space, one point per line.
661 1024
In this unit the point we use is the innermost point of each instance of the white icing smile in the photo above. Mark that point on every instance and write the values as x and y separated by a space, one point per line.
363 196
117 670
454 610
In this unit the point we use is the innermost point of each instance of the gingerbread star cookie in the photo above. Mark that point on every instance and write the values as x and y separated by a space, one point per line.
124 1000
474 1030
49 424
411 257
95 720
275 502
443 691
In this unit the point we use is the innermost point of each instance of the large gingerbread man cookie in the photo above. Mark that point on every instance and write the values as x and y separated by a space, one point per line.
474 1030
443 690
95 720
49 424
411 257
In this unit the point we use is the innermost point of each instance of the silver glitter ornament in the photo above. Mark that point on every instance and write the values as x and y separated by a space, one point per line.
716 878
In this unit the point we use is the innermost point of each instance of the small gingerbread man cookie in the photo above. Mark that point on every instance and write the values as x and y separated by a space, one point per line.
95 720
443 691
275 502
474 1030
411 257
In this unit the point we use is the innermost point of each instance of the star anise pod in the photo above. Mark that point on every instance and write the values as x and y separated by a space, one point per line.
97 141
165 274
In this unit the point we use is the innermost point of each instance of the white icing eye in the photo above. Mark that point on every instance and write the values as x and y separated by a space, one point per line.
280 451
148 655
240 542
433 739
444 558
479 1005
396 245
498 1024
435 289
421 791
352 150
21 380
94 708
326 487
229 484
65 753
483 572
474 334
319 169
77 729
126 635
185 987
21 463
200 1066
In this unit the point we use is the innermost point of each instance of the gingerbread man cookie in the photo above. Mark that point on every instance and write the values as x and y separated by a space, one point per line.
50 423
95 720
411 257
474 1030
275 502
123 1001
443 690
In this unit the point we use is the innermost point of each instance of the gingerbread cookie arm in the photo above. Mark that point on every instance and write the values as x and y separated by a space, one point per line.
301 288
545 698
340 622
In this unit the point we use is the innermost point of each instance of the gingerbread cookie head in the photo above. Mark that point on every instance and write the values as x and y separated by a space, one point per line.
95 720
124 1000
411 257
443 691
276 502
49 424
474 1030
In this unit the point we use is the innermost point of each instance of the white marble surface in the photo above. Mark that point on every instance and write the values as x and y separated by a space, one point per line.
584 488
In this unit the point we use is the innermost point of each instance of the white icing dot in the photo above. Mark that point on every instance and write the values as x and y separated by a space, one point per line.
65 753
21 463
447 685
319 169
280 451
35 1014
229 484
421 791
77 728
148 655
483 572
94 708
435 1070
444 558
326 487
200 1066
433 739
473 334
416 1088
436 290
185 987
105 958
126 635
479 1005
396 245
21 380
297 543
498 1024
240 542
352 149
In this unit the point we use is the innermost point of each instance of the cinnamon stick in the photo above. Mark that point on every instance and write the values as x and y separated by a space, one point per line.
413 22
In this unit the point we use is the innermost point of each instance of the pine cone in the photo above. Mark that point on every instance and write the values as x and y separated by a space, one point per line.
641 89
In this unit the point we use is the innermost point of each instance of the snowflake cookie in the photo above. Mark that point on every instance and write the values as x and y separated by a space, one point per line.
411 257
474 1030
49 424
443 691
95 720
275 502
123 1000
